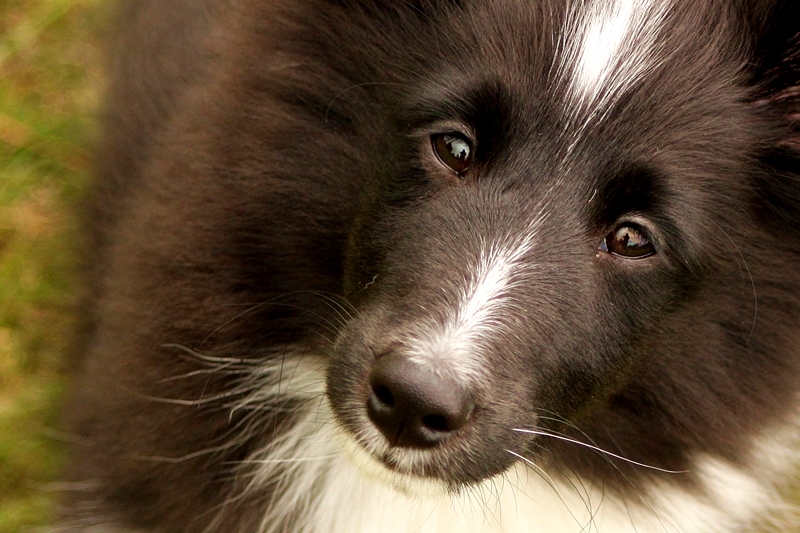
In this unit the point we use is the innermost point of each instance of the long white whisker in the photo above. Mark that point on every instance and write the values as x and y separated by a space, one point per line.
597 449
548 480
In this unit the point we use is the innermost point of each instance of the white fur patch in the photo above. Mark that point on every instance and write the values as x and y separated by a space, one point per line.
455 346
608 47
326 483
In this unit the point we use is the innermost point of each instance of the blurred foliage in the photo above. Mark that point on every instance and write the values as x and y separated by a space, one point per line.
50 72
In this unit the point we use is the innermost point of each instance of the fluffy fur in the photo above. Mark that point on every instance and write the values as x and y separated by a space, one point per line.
274 221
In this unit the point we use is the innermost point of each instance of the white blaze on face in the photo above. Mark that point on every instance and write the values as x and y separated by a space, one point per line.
456 347
609 45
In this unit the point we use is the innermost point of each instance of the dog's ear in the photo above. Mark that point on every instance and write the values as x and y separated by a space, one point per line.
774 27
774 69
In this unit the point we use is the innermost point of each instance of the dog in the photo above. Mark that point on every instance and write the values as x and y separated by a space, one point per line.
443 265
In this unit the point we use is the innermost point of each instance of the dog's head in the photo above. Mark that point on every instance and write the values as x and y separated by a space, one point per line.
580 224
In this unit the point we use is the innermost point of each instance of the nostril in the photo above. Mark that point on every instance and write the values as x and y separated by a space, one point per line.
383 394
435 423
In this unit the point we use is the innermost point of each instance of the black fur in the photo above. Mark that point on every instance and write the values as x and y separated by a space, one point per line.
265 157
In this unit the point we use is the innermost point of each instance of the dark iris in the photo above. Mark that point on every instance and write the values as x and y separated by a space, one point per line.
628 241
452 150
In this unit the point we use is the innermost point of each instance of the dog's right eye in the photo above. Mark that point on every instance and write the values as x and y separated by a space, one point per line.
453 151
629 241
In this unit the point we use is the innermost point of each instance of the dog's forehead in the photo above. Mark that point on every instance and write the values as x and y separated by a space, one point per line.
574 60
607 46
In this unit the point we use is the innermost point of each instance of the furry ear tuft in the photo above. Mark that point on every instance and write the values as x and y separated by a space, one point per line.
775 78
775 61
788 103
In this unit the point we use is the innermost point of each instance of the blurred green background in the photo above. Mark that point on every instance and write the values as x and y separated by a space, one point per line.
50 87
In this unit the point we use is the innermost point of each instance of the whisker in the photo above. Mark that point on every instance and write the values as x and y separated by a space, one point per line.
582 491
330 326
344 309
291 460
549 480
187 457
598 449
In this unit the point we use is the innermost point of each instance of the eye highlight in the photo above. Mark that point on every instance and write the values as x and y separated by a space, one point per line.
454 151
629 241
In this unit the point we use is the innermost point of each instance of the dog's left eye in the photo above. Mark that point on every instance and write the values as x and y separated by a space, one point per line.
452 150
629 241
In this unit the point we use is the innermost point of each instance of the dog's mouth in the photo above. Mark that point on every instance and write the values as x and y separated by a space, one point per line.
408 448
398 448
410 472
412 421
424 435
415 407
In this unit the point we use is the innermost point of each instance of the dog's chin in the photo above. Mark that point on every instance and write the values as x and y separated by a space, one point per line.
396 470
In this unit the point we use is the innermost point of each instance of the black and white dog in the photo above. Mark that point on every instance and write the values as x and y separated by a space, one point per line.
422 266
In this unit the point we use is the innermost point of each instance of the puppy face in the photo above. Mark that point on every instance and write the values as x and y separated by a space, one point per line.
541 233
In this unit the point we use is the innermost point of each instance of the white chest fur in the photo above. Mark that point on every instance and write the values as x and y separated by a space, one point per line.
335 487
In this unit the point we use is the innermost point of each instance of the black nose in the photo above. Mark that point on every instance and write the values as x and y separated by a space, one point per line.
413 406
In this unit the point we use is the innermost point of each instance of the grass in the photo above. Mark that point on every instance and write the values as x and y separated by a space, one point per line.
49 93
